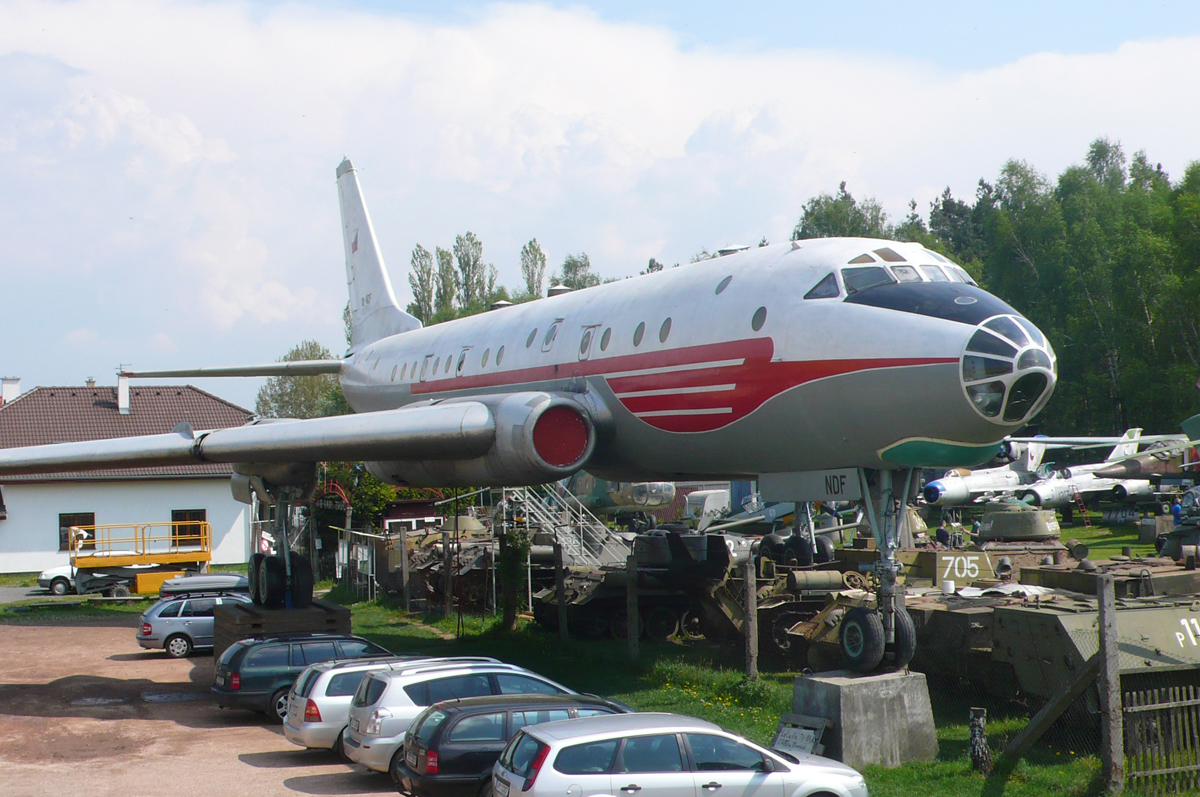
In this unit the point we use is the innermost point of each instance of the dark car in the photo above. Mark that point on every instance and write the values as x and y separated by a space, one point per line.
451 746
257 673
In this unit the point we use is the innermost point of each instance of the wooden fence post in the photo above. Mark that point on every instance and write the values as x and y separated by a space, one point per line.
560 591
1112 735
750 624
631 605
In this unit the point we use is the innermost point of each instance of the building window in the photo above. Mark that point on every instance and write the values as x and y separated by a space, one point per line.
69 519
187 532
3 508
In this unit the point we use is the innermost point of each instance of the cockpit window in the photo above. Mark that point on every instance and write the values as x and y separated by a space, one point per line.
934 274
935 256
889 255
827 288
859 279
863 258
906 273
963 275
987 343
988 397
1008 329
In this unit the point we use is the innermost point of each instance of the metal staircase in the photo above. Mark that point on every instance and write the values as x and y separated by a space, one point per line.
585 540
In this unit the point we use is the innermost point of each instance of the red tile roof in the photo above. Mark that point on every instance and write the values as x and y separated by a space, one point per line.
47 415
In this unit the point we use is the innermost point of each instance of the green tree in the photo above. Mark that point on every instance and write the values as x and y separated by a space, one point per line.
472 273
829 216
296 396
653 267
533 268
446 286
576 273
423 280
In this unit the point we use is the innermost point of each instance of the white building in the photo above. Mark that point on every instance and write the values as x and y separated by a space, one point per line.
35 511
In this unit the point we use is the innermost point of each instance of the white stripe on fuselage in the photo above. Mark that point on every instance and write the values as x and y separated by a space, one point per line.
665 413
676 391
671 369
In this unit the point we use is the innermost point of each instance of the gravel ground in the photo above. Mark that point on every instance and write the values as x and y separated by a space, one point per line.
84 710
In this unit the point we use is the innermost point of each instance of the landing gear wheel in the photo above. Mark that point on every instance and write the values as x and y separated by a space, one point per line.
272 582
691 625
862 639
178 646
60 586
661 623
252 575
277 708
302 582
906 639
620 626
824 552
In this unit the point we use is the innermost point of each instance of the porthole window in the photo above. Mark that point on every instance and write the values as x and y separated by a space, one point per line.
723 284
664 331
551 334
424 365
436 363
414 369
586 343
462 360
760 318
449 362
395 368
500 355
486 354
639 333
605 338
530 339
403 372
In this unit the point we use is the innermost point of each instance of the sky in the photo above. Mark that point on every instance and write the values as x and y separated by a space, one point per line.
167 187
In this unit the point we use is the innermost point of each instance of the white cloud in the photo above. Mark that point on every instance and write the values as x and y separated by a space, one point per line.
171 164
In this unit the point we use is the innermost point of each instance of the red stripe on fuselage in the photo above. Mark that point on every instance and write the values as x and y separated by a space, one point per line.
754 376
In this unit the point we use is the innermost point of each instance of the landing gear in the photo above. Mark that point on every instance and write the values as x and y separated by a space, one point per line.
283 581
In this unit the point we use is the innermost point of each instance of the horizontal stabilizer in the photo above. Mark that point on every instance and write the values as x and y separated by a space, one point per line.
433 432
292 368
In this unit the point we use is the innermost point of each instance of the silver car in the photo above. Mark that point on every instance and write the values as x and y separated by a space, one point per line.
386 703
665 755
183 623
319 704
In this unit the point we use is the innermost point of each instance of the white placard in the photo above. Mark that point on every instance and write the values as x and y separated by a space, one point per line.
811 485
795 740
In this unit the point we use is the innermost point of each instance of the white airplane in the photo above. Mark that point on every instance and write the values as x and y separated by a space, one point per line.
962 485
802 360
1057 487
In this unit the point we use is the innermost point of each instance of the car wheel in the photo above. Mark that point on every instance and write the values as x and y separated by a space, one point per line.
394 766
60 586
338 748
862 639
485 788
277 708
178 646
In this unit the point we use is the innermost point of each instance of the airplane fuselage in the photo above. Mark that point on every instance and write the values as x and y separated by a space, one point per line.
724 367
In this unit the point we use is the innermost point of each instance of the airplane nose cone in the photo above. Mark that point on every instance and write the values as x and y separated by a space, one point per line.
1008 370
932 492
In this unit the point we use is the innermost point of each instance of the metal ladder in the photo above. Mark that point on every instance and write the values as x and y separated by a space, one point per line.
585 540
1079 503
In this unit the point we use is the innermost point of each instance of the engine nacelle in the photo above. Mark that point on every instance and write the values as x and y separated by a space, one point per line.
539 438
1132 488
1047 495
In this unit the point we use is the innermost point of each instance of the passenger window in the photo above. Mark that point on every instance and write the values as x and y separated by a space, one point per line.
353 648
639 333
303 688
462 360
395 368
480 728
593 712
827 288
605 338
551 334
449 362
664 331
171 609
436 363
523 718
458 686
530 339
723 284
500 356
859 279
487 354
592 758
652 754
370 690
718 753
906 273
524 685
344 684
760 318
404 372
199 608
313 652
586 342
269 656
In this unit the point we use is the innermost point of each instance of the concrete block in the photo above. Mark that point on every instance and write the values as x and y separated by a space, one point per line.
882 719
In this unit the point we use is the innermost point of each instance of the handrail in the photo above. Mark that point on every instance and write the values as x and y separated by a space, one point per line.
139 540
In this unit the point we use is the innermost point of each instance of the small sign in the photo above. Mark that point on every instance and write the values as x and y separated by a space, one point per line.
811 485
800 734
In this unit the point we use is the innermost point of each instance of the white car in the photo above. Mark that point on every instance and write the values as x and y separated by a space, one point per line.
58 580
664 755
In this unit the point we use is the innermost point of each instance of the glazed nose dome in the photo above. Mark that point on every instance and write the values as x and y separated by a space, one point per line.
1008 370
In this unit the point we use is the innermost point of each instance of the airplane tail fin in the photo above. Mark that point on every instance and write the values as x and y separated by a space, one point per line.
1033 456
374 311
1126 449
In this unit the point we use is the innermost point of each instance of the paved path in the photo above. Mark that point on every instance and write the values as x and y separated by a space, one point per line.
14 594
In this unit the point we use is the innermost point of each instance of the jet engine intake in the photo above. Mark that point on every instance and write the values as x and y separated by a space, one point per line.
1132 488
539 438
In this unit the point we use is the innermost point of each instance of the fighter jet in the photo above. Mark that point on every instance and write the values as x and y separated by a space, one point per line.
1058 487
801 356
962 485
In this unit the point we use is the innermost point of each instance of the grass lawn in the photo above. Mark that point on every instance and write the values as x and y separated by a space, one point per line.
18 579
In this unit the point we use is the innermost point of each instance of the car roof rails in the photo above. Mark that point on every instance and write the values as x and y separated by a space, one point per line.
416 668
211 592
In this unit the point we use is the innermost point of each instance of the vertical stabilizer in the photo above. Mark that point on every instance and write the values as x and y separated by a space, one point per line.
374 311
1033 457
1123 449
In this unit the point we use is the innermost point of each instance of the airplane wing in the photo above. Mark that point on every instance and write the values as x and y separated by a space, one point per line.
285 368
516 438
1094 442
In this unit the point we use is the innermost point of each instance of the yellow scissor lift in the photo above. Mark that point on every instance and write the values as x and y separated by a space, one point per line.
122 558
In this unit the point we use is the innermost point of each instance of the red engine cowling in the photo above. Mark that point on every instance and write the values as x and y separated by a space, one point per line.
540 437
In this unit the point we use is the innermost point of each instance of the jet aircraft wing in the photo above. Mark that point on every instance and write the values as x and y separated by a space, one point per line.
285 368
